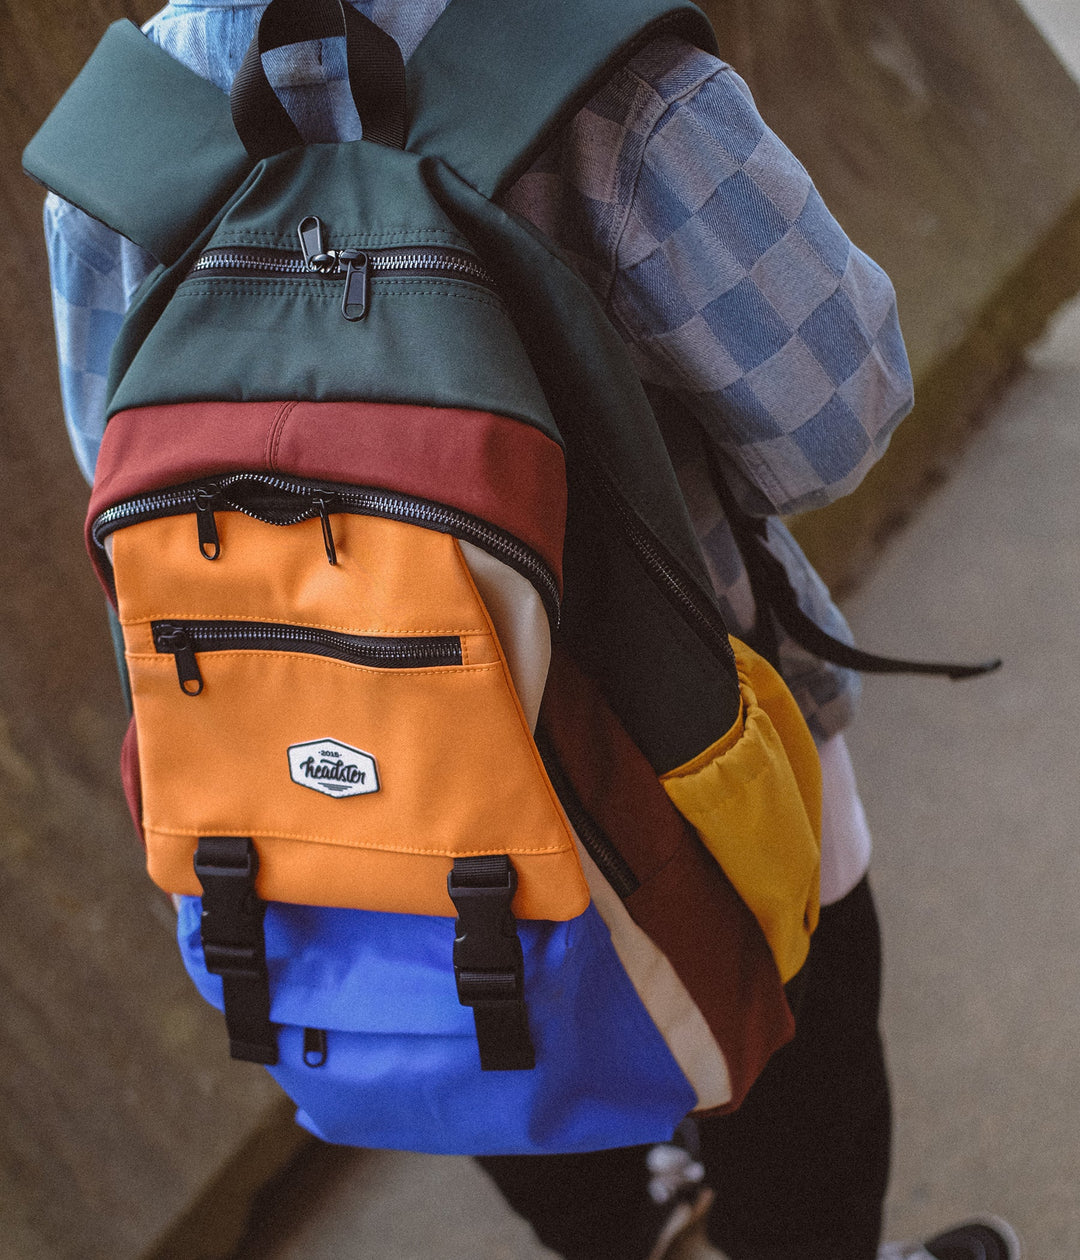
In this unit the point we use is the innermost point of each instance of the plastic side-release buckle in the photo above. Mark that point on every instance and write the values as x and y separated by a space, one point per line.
234 944
488 961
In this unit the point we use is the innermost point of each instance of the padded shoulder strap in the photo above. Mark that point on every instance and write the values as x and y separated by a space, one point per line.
491 82
141 143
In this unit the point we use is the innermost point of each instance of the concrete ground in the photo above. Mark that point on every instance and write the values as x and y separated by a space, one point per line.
973 794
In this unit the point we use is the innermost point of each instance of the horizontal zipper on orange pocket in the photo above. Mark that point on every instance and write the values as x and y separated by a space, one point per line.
184 640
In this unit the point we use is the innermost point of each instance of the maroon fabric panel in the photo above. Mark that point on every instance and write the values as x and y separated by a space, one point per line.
498 469
685 903
129 774
698 921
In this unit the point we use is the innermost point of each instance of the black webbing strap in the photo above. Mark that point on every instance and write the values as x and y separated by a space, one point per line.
775 595
488 964
375 65
233 942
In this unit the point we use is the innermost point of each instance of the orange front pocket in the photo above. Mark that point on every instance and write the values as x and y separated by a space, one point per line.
357 721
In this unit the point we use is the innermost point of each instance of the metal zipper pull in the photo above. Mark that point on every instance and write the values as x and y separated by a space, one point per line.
311 242
354 300
209 541
175 639
327 533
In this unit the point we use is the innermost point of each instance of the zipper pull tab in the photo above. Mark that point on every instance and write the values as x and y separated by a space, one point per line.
354 301
311 242
175 639
209 542
328 534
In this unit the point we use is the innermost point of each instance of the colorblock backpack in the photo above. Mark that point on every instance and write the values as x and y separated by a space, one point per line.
487 837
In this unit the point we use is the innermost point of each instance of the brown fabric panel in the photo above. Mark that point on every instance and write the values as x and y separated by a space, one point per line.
499 469
495 468
698 921
615 784
685 903
150 448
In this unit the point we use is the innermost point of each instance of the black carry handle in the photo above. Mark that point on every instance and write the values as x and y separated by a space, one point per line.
376 75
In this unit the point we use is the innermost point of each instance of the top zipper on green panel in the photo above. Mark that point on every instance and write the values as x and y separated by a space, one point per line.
356 267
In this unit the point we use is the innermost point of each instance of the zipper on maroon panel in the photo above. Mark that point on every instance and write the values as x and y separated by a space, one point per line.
287 501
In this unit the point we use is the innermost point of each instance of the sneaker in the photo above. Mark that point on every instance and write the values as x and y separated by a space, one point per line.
984 1238
673 1172
685 1219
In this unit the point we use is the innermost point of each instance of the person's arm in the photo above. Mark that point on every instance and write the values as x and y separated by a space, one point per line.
93 273
740 292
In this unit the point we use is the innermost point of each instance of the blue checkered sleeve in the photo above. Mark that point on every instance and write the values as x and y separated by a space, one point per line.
738 290
93 274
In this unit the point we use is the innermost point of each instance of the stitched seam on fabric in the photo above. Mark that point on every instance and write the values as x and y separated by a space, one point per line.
381 632
664 106
240 289
504 666
274 435
243 829
316 658
255 237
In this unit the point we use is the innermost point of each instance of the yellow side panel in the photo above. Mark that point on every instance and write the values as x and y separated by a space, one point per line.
755 799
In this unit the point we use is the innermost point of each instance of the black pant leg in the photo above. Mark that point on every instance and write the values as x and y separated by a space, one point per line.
594 1206
800 1170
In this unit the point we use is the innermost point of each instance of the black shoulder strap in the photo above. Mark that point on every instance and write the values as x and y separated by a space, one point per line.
142 143
490 83
775 596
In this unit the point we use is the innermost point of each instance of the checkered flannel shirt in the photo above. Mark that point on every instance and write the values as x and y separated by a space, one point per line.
701 233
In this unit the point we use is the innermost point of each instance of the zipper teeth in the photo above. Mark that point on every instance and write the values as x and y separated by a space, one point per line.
477 529
458 264
208 636
609 861
213 259
283 262
709 624
373 502
369 502
148 504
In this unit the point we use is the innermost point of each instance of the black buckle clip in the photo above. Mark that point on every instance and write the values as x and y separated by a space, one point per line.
233 913
488 962
233 943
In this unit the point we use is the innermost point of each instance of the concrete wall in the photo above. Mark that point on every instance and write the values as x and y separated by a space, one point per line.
119 1108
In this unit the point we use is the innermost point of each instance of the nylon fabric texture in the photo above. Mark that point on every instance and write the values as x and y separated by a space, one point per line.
768 841
437 732
401 1052
441 753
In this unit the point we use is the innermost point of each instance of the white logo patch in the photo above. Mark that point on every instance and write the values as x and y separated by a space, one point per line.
333 768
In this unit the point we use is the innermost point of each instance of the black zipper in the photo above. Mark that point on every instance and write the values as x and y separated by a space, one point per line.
184 640
679 588
596 842
287 501
357 268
